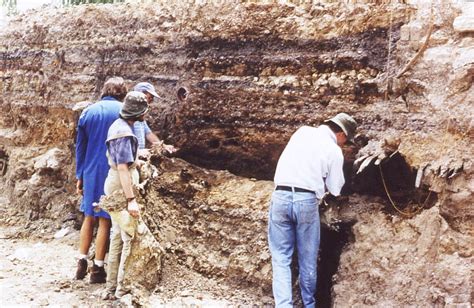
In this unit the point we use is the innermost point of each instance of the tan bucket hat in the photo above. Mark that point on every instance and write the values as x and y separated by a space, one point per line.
346 123
134 105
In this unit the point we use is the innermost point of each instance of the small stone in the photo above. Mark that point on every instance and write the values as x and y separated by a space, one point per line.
185 293
43 302
464 23
126 300
61 233
334 82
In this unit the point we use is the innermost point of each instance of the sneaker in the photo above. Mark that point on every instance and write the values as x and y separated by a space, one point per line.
81 271
98 274
108 295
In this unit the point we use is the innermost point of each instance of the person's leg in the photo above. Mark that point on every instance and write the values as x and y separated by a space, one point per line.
98 274
102 237
127 246
85 237
114 258
85 240
281 239
307 243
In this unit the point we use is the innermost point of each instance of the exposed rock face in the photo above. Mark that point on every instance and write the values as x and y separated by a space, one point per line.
254 73
402 262
214 222
248 76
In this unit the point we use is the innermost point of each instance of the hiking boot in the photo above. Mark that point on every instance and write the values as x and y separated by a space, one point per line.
98 274
81 271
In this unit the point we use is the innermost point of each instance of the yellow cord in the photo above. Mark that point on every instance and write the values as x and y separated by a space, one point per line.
408 214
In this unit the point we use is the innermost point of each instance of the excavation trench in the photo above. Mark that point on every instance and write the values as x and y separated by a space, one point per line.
215 223
237 79
381 185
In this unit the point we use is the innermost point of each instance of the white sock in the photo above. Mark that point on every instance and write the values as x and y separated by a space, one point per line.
99 263
81 256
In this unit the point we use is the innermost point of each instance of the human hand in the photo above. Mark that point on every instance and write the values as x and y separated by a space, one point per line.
169 148
330 200
133 208
79 187
140 162
323 202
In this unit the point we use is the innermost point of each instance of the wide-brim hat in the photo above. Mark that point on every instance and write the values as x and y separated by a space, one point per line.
146 87
134 105
346 123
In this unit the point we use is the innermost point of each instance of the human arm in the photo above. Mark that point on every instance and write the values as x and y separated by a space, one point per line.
167 147
81 149
335 177
79 187
155 141
152 138
149 135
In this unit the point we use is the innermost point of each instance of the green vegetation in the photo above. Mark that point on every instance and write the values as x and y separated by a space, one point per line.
77 2
10 5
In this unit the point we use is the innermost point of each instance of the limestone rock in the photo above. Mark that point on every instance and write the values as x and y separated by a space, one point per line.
464 23
53 159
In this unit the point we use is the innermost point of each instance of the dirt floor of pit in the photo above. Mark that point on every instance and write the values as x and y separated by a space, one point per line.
39 271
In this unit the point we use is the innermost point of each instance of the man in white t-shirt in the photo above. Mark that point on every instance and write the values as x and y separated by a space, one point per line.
310 165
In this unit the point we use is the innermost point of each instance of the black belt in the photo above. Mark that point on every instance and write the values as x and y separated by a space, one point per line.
296 189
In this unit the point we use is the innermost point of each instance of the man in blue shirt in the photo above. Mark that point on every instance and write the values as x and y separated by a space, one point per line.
91 172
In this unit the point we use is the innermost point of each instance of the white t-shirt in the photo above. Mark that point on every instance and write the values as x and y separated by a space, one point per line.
312 160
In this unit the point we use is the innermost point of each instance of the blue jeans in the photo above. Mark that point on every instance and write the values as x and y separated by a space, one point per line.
294 222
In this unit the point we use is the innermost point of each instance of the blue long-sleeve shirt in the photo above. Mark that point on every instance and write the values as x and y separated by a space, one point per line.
91 162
